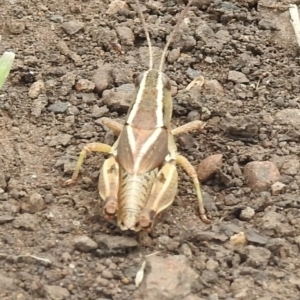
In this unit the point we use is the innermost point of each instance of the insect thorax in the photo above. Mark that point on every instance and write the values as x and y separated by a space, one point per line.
152 107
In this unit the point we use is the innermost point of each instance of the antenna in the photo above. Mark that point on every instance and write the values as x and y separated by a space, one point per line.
163 56
146 32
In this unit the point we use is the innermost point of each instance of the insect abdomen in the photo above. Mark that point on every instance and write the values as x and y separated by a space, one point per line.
133 194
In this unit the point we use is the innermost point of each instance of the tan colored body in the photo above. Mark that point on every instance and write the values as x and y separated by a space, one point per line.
139 179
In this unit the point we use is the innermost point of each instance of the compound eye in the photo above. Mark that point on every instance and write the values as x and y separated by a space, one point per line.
137 78
166 82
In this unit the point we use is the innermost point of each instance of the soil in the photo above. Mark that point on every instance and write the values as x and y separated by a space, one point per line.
54 241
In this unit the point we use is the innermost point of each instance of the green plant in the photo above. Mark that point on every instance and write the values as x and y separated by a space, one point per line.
6 62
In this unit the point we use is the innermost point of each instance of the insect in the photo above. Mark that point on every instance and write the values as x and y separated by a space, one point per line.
139 178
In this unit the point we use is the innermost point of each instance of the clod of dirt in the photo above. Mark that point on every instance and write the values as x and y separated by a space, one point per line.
36 89
103 78
35 204
72 27
119 99
237 77
6 219
84 244
115 6
38 105
260 175
241 288
84 85
277 188
109 245
26 222
126 35
238 239
209 166
55 292
247 214
291 166
257 257
170 278
59 107
289 116
274 223
241 127
60 139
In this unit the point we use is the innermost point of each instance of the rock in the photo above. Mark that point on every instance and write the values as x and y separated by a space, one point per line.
115 6
212 265
6 282
26 222
36 89
213 87
109 245
266 24
237 77
98 112
260 175
277 188
196 235
289 116
209 277
84 85
204 32
238 239
119 99
290 167
60 139
58 107
103 77
3 183
193 116
57 18
35 204
122 75
230 200
38 105
257 257
72 27
186 250
126 35
241 287
193 297
54 292
209 166
254 237
274 222
186 141
170 278
6 219
173 55
247 214
84 244
107 274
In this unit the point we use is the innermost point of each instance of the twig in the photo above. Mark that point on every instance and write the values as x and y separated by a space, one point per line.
295 21
45 261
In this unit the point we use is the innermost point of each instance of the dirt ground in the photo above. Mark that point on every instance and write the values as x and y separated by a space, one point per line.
54 242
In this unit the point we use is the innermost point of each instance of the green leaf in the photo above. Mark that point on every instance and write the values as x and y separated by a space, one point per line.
6 62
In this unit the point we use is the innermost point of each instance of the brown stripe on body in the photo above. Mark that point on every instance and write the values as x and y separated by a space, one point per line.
146 117
140 151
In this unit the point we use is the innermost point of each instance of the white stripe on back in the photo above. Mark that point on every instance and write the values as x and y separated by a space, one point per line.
138 99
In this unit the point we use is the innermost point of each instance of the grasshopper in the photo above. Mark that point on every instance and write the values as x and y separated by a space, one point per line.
139 179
